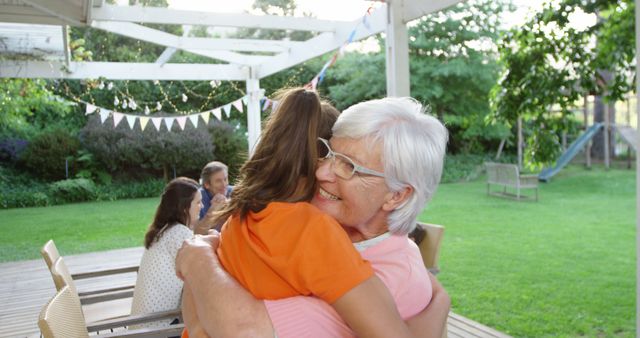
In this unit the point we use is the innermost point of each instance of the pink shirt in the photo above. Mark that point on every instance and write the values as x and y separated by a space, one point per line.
396 261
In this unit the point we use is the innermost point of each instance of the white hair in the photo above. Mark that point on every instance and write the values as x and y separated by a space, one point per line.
413 150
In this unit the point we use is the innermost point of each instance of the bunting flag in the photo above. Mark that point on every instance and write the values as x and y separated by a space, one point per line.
266 104
143 122
90 109
117 117
182 121
169 122
131 119
238 105
313 84
205 117
227 109
217 113
157 122
104 115
194 119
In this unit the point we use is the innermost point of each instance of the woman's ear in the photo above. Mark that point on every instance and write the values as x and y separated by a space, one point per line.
395 199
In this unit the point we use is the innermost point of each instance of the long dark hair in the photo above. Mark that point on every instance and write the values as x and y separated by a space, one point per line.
283 164
173 209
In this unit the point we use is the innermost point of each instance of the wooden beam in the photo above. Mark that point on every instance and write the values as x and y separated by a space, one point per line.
72 12
27 14
397 51
158 37
324 43
121 71
183 17
414 9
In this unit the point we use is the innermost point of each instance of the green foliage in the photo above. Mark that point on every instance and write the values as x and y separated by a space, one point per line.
72 190
551 64
452 67
48 152
27 106
230 147
89 168
126 150
126 190
18 189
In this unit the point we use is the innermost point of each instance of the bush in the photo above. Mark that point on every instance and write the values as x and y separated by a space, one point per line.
124 150
45 156
230 147
147 188
73 190
12 148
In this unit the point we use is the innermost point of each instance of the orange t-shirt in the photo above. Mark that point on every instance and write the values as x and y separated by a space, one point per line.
291 249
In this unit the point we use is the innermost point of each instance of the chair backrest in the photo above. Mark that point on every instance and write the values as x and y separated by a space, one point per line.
50 253
61 276
62 316
430 245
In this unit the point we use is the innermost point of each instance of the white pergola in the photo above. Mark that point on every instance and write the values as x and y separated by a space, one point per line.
40 26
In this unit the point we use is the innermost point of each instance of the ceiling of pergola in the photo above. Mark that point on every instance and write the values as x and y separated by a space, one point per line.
32 37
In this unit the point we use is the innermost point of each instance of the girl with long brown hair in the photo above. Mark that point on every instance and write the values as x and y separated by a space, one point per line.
157 287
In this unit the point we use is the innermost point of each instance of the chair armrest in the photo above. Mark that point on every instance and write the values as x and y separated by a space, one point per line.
104 297
133 319
106 272
101 291
171 331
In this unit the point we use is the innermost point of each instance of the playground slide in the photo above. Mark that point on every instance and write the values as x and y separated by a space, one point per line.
629 135
575 147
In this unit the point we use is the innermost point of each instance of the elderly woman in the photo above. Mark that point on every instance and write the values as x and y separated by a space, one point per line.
376 173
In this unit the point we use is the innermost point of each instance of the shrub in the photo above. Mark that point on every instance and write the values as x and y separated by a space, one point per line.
123 149
12 148
230 146
73 190
146 188
45 156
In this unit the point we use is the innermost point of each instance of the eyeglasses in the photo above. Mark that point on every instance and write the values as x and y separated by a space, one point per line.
343 166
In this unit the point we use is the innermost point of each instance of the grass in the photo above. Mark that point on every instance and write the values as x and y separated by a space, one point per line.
561 267
76 228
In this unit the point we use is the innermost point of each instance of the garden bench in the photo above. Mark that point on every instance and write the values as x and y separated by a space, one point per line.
508 176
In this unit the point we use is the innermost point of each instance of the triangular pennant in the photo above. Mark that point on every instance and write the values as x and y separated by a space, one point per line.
227 109
90 109
194 119
182 121
238 105
217 113
266 104
143 122
205 116
274 105
245 99
169 122
104 115
314 85
131 119
157 122
117 117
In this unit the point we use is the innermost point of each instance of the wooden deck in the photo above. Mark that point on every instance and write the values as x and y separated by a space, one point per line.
26 286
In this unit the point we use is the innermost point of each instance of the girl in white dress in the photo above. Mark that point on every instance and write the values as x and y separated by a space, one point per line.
157 287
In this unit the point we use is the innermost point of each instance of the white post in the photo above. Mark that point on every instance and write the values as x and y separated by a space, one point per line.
607 135
520 143
253 110
397 50
637 171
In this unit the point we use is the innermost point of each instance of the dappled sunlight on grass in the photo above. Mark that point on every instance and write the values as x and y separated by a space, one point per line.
563 266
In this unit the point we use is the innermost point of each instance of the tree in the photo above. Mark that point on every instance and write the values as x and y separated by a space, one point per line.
452 64
549 63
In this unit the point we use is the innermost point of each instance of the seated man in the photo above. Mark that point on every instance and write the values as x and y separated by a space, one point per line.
215 192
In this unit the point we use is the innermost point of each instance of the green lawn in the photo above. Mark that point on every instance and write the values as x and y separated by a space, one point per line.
564 266
76 228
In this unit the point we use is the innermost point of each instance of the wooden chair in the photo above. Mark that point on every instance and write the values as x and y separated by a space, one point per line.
50 254
430 245
62 317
